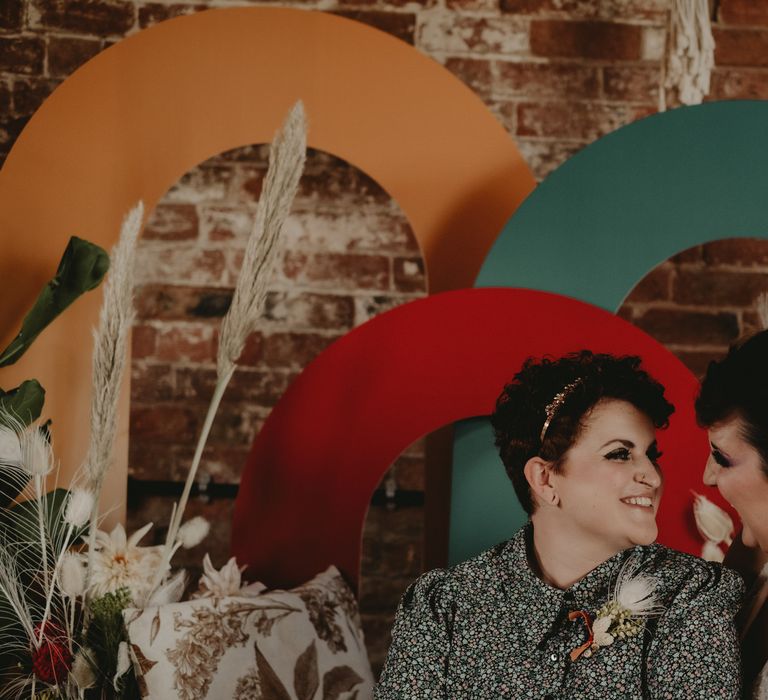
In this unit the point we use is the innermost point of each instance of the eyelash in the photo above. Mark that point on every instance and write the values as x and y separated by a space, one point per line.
623 455
722 461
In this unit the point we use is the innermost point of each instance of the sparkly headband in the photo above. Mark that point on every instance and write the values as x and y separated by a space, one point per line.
554 406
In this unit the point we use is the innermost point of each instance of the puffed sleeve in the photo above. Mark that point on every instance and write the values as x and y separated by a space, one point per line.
417 659
695 649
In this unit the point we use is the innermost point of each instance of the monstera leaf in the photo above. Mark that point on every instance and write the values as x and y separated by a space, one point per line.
22 404
82 267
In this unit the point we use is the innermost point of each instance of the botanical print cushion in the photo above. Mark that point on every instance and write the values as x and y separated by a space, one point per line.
302 644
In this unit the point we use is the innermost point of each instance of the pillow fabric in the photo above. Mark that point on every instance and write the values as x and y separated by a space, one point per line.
302 644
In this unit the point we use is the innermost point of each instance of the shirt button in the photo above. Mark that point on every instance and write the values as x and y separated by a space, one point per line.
553 657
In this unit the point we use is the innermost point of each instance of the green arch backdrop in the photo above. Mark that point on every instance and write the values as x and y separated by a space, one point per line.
592 230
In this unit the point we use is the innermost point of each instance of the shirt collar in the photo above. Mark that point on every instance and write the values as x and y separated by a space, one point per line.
543 605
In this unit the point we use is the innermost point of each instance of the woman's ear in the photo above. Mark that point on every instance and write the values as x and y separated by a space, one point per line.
538 472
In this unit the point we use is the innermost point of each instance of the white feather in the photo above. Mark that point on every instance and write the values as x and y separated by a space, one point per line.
636 592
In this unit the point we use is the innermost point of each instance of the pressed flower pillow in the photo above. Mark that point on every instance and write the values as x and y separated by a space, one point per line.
302 644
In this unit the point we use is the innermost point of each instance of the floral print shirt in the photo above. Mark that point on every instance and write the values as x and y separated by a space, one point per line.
489 628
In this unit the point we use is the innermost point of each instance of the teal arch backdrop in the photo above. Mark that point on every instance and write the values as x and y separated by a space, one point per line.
593 229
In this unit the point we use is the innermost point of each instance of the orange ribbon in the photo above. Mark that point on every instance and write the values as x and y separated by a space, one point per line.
573 615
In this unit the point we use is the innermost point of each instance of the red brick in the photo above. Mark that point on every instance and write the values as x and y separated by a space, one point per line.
474 73
627 312
172 222
252 182
738 84
398 24
112 17
5 97
580 120
543 156
655 286
750 323
337 270
748 12
689 255
306 310
205 183
590 9
546 80
219 223
179 303
409 275
392 541
190 343
709 287
65 54
742 252
455 33
631 83
473 5
366 307
143 342
151 383
10 128
598 40
185 264
236 424
253 351
689 327
162 423
698 362
741 47
155 12
29 93
339 183
409 473
294 350
23 55
258 387
11 14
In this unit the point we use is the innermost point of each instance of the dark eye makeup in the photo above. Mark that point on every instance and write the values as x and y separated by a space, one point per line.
620 454
721 459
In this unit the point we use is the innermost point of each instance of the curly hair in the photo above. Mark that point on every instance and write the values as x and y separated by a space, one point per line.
737 386
521 408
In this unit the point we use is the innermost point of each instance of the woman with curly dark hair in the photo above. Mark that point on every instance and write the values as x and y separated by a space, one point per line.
580 603
733 406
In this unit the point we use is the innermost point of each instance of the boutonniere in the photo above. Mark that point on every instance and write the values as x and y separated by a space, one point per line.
632 601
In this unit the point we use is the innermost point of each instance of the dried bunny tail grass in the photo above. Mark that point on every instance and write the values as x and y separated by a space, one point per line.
109 352
761 306
286 162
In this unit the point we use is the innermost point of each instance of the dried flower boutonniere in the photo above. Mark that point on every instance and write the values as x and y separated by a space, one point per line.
632 602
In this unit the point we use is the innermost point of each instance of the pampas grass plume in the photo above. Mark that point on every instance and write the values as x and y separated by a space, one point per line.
72 576
79 507
193 532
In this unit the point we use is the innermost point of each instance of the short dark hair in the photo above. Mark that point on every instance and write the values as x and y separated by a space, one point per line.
737 387
521 408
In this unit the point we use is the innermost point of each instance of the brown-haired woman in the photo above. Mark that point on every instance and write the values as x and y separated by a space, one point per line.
733 406
580 603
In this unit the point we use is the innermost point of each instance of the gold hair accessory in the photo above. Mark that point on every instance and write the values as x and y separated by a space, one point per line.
554 406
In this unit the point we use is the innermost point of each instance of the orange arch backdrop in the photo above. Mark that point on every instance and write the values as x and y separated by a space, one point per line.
131 121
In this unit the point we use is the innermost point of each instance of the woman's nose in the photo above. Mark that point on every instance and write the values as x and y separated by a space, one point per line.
650 475
710 473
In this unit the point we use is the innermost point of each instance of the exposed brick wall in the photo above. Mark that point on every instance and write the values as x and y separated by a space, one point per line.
557 73
701 300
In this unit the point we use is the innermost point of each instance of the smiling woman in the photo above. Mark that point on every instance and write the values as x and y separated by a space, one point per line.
580 602
733 405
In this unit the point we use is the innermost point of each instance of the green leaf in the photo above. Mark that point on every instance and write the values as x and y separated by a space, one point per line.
82 267
24 403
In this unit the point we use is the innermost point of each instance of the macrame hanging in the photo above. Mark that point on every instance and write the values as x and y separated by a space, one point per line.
690 54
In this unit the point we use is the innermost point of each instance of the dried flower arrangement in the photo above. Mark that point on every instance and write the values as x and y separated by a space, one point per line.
64 583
